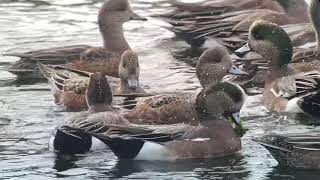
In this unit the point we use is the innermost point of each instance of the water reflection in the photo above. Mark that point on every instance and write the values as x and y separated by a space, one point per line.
28 113
281 173
228 167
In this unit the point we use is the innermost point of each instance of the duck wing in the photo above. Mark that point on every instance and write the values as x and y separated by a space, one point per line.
109 132
297 85
290 142
306 55
65 79
58 54
295 150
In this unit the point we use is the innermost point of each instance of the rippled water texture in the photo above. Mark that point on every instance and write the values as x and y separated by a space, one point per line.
28 114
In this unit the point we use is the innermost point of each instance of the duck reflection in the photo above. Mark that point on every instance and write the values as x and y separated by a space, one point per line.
231 167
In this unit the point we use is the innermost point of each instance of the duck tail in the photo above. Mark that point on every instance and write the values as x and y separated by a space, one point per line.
20 55
125 141
57 80
310 104
277 146
45 70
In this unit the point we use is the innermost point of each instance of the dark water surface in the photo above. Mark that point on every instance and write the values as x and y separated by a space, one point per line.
28 113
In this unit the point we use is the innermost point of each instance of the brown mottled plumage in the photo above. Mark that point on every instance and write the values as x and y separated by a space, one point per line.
212 136
212 65
112 15
69 85
99 99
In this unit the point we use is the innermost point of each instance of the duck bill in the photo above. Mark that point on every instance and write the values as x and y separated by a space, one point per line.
243 50
236 118
135 16
133 83
237 71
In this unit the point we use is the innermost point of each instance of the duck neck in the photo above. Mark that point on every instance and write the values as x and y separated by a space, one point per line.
99 108
314 11
113 38
112 31
279 58
212 119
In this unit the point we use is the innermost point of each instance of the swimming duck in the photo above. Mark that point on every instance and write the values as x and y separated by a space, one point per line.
257 66
228 21
211 67
293 150
213 136
112 15
70 85
99 98
287 88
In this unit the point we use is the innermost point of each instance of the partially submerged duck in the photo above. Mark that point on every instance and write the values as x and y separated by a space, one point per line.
70 85
287 88
99 98
257 66
213 136
212 66
227 22
293 150
112 15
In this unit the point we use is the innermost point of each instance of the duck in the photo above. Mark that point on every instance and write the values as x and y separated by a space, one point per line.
228 21
257 66
99 99
212 137
180 107
112 15
293 150
287 88
69 85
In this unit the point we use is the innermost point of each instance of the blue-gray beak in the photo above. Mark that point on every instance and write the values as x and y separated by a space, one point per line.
243 50
133 83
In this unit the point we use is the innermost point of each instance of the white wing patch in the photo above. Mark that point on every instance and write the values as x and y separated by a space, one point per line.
201 139
154 151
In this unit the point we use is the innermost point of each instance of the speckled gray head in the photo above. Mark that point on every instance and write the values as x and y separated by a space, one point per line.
99 91
214 64
129 69
270 41
221 100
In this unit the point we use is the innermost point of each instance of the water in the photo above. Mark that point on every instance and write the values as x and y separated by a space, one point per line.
28 113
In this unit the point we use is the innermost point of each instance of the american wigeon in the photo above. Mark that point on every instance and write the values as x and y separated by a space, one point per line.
213 136
257 66
212 66
99 98
112 15
228 21
70 85
294 150
287 88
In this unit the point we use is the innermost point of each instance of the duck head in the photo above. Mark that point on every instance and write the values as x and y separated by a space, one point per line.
115 12
99 94
129 72
112 15
270 41
214 64
220 101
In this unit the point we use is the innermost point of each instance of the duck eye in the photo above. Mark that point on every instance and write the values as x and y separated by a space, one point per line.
124 65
